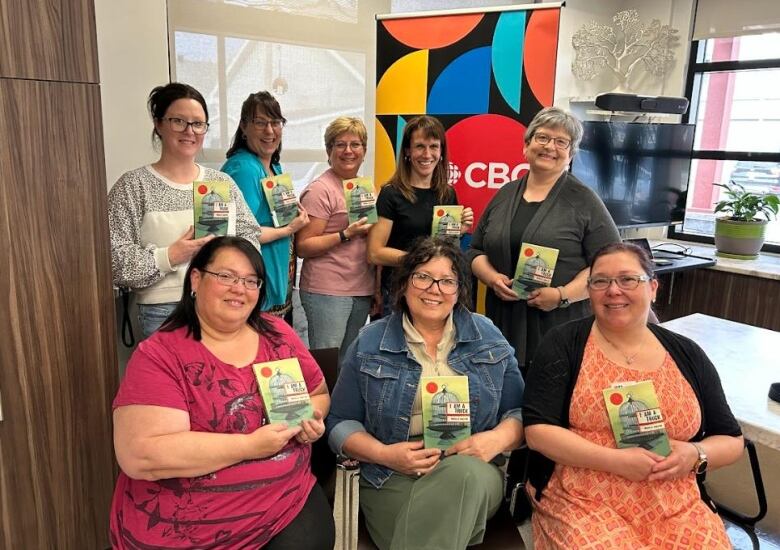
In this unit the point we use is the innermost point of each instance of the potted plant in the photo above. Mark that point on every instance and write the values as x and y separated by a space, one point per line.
741 235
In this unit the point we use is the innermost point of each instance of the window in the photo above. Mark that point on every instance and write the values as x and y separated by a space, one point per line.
734 89
314 56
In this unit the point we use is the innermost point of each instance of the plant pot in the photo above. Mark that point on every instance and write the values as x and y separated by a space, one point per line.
739 240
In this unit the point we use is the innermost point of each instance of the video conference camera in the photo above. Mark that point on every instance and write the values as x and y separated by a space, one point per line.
642 103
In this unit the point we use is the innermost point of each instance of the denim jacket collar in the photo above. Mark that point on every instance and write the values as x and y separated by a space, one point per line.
394 341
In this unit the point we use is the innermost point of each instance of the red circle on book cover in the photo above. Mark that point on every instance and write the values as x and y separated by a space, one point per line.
616 399
431 387
202 189
528 252
349 186
440 212
266 372
269 184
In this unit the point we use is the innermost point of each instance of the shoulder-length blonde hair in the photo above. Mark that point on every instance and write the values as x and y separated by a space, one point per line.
430 128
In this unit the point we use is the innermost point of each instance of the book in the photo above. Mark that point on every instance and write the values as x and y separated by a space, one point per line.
284 392
445 410
636 418
282 202
361 202
214 212
446 221
535 268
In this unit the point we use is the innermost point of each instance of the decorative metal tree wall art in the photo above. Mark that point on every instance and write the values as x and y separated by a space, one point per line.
623 47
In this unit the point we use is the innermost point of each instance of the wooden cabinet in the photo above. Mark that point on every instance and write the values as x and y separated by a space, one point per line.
750 300
48 40
57 349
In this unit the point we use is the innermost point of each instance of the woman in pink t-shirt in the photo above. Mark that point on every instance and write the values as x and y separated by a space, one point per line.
201 465
337 284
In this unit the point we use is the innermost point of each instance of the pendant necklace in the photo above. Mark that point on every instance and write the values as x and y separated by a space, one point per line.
628 358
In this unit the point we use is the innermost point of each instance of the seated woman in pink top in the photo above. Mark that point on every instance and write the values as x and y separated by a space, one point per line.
201 467
337 284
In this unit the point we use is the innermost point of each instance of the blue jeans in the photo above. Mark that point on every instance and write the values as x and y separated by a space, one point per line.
334 321
151 316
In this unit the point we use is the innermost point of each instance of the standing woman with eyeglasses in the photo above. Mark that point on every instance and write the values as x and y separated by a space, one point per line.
150 209
405 204
253 156
548 207
337 284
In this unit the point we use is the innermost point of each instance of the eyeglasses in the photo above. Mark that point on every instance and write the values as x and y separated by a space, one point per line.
423 281
262 124
624 282
228 279
353 145
544 139
180 125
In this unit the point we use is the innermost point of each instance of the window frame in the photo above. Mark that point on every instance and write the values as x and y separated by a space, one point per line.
696 69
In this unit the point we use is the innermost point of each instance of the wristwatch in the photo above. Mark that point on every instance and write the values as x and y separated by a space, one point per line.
700 466
564 303
343 236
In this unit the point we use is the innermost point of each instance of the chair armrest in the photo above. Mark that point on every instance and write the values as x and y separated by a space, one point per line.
345 504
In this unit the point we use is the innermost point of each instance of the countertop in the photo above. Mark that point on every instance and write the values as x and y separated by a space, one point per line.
748 361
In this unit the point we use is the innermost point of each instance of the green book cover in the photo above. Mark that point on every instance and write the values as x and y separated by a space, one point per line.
445 410
636 418
279 193
535 268
361 203
212 208
446 221
283 389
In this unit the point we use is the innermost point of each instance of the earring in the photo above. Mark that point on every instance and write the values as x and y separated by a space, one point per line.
192 294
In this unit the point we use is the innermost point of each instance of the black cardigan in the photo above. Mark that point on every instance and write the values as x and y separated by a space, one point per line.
554 370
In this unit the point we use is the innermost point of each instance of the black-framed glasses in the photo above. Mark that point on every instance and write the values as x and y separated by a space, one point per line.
624 282
229 279
544 139
423 281
199 127
262 123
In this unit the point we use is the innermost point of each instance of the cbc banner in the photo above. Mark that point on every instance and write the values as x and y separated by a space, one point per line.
484 74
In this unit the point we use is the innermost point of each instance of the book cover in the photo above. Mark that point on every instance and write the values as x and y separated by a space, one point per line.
446 221
282 202
284 392
636 418
535 268
213 209
361 202
445 410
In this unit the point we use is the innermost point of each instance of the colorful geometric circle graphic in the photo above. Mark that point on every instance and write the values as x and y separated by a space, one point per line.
432 32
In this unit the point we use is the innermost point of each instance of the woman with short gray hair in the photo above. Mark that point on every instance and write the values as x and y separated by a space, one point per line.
546 207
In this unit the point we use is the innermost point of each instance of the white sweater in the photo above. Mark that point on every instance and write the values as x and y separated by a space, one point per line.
146 214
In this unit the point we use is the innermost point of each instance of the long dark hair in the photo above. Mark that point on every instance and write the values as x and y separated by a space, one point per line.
161 97
423 250
430 128
185 314
258 100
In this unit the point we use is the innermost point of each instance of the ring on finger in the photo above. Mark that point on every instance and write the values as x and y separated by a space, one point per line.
419 474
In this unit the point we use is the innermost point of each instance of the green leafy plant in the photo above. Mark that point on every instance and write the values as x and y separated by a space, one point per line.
745 205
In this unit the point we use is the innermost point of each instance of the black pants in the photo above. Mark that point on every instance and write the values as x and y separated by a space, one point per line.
312 528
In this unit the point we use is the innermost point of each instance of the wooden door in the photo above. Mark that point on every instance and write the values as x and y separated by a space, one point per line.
57 350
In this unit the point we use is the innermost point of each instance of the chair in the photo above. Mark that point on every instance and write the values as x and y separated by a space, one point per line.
340 478
745 522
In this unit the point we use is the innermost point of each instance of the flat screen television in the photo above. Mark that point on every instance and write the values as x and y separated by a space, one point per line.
640 170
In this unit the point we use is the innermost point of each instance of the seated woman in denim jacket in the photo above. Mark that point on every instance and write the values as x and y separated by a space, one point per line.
413 497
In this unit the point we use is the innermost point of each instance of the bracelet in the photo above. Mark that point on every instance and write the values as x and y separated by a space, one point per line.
343 236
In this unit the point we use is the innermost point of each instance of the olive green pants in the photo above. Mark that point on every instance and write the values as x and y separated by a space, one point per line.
444 510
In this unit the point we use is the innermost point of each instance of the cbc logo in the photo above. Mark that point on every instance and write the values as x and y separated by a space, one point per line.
491 174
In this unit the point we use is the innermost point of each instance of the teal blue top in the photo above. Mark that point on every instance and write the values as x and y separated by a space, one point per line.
247 171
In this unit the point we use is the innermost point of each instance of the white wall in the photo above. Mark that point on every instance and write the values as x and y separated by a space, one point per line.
133 58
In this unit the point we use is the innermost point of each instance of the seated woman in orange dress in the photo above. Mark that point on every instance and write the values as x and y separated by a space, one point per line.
586 492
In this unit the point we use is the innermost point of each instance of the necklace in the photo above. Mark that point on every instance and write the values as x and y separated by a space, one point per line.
629 358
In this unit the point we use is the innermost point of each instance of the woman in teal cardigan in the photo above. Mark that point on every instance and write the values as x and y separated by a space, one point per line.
254 155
